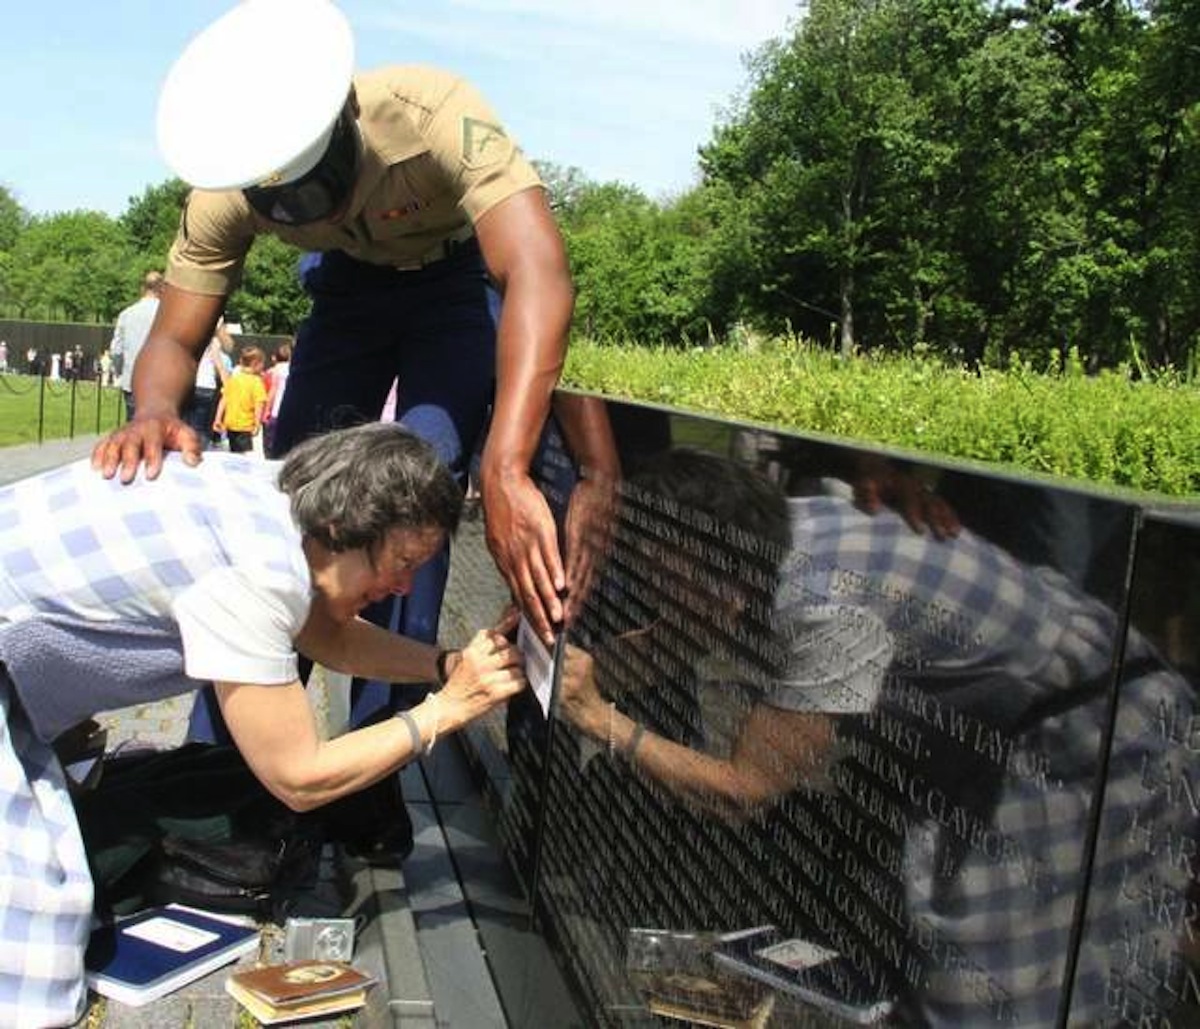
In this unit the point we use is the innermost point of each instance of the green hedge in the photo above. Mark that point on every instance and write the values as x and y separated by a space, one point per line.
1113 429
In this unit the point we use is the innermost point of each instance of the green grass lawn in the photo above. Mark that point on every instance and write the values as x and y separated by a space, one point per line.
60 408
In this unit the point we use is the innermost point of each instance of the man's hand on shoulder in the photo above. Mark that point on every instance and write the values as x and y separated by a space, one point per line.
143 441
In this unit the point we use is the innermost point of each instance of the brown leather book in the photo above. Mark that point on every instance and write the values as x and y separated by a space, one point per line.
298 989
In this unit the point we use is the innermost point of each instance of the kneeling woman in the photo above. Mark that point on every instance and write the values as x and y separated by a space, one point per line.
113 595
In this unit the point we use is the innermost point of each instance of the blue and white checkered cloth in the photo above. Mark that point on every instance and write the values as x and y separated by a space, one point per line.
93 575
45 885
97 575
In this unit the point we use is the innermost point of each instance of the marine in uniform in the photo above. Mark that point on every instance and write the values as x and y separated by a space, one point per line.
435 261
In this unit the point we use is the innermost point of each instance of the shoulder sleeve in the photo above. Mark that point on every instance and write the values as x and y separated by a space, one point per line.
238 626
482 161
215 233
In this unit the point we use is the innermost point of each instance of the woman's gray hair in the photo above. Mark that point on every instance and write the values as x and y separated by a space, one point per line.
350 487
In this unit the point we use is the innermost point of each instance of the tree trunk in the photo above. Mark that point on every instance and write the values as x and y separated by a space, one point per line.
922 311
847 322
846 285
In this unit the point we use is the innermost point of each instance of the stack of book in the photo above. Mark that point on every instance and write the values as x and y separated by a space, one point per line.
299 989
155 952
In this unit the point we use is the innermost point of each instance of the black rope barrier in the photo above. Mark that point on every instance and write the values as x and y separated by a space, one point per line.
11 384
64 406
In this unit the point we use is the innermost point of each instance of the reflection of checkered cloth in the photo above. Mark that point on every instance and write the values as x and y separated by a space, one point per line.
953 605
1140 915
45 886
1009 919
996 933
1013 935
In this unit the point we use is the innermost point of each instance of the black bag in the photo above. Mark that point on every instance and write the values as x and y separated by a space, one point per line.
194 826
372 825
259 877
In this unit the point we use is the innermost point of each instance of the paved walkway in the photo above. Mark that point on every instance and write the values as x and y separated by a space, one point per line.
30 458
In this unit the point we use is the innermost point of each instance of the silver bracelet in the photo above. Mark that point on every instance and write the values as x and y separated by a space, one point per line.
435 704
639 730
418 745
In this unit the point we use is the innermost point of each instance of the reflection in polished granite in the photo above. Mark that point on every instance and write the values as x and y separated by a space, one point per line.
889 742
1139 955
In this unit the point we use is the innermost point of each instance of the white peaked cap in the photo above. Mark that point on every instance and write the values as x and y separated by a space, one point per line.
254 97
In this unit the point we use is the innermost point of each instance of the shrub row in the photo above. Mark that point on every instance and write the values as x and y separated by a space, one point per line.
1114 429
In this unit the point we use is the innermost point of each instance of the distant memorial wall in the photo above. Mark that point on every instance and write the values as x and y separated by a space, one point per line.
46 338
809 764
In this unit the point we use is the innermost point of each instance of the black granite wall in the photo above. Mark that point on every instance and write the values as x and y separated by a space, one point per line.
937 750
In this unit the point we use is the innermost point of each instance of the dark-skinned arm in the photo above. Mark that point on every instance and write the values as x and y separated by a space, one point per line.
880 482
592 510
526 257
162 381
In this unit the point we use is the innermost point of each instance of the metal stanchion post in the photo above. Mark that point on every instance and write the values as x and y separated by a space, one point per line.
41 408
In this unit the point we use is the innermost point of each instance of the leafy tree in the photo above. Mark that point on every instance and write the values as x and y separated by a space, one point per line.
13 219
985 177
713 218
270 298
1108 257
1168 183
639 268
838 152
1021 215
73 266
152 219
565 184
603 226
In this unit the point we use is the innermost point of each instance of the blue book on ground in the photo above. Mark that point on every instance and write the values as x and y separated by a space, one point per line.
155 952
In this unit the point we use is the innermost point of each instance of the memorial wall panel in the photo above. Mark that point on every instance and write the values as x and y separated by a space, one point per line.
1139 957
831 735
877 741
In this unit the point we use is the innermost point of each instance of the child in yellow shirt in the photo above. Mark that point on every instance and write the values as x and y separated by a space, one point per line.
243 402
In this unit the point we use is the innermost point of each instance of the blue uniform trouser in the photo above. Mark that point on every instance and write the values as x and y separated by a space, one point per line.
433 330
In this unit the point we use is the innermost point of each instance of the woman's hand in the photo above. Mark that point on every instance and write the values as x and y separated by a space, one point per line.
488 671
506 625
579 696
